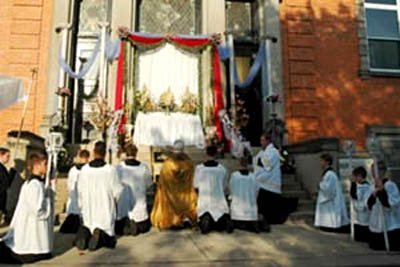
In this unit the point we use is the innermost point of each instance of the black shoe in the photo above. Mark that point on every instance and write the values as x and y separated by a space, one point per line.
205 224
133 228
80 244
113 242
229 227
94 240
264 226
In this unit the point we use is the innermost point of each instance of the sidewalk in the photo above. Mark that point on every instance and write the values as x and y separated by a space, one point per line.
286 245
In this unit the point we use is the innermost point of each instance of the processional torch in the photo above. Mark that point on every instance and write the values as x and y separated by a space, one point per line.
54 143
374 149
349 149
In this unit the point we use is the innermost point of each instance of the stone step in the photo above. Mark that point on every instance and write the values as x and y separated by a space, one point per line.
306 205
301 194
301 217
291 186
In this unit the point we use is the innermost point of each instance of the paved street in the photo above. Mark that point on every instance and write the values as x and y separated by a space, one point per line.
287 245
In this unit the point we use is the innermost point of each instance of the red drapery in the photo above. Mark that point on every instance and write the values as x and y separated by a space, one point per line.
189 42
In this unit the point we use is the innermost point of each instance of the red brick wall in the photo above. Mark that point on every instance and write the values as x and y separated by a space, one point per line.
24 40
325 95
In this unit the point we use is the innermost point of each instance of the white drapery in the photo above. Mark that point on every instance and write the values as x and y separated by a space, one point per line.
168 67
11 91
162 129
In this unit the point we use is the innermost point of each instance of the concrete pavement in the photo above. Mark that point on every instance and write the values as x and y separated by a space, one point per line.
286 245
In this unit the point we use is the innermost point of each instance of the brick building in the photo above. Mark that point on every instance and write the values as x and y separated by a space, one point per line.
338 77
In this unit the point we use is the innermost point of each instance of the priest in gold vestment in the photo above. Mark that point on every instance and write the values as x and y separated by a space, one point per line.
176 199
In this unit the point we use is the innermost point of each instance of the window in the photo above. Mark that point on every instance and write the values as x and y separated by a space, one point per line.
169 16
382 17
242 18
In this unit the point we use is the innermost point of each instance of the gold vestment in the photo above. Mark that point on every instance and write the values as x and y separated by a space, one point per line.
175 198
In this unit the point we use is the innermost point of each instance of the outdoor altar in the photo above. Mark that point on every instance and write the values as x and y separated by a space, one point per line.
168 102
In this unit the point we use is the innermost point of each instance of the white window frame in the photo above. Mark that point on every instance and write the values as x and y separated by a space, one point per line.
391 7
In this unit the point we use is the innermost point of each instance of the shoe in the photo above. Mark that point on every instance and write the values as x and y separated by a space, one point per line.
94 240
80 244
264 226
229 227
133 228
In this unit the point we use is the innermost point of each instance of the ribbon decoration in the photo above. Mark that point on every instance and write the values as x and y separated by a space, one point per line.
259 62
112 53
182 40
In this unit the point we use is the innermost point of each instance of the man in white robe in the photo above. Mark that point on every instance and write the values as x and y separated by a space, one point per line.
210 179
30 237
243 194
359 191
267 169
136 178
98 191
384 198
331 213
73 220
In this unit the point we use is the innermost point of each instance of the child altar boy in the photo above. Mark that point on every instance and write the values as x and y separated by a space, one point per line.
359 191
30 237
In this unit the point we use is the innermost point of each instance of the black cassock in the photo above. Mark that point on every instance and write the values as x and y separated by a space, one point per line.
4 184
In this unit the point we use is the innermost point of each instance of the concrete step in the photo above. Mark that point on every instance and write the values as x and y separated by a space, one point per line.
301 217
301 194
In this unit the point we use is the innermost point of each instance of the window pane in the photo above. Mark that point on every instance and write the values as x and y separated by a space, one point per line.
384 54
238 17
389 2
168 16
382 23
92 12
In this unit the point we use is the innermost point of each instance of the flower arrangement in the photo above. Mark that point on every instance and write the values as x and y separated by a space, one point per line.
189 102
123 32
101 116
241 117
144 101
167 101
273 98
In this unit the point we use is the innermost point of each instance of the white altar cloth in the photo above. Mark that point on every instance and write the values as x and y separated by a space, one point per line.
162 129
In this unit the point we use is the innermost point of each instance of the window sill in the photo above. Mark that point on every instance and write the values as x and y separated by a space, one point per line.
384 73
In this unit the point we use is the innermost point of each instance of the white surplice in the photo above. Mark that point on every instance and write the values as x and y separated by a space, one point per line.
392 214
31 228
269 174
244 191
211 181
137 179
98 192
72 203
331 208
361 211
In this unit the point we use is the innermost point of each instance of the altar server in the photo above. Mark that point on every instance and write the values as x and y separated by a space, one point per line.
210 179
98 191
73 220
331 213
30 237
387 192
136 178
359 191
267 169
244 190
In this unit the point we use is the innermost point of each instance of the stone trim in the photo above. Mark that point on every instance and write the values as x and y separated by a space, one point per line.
363 49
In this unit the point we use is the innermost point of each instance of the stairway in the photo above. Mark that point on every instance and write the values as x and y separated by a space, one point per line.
291 187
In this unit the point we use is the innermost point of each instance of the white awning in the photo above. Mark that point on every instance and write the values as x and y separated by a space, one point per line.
11 91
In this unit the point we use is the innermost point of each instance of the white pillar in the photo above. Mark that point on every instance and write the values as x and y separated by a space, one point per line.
103 63
231 76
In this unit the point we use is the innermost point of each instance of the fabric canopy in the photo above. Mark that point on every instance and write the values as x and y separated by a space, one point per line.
11 91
